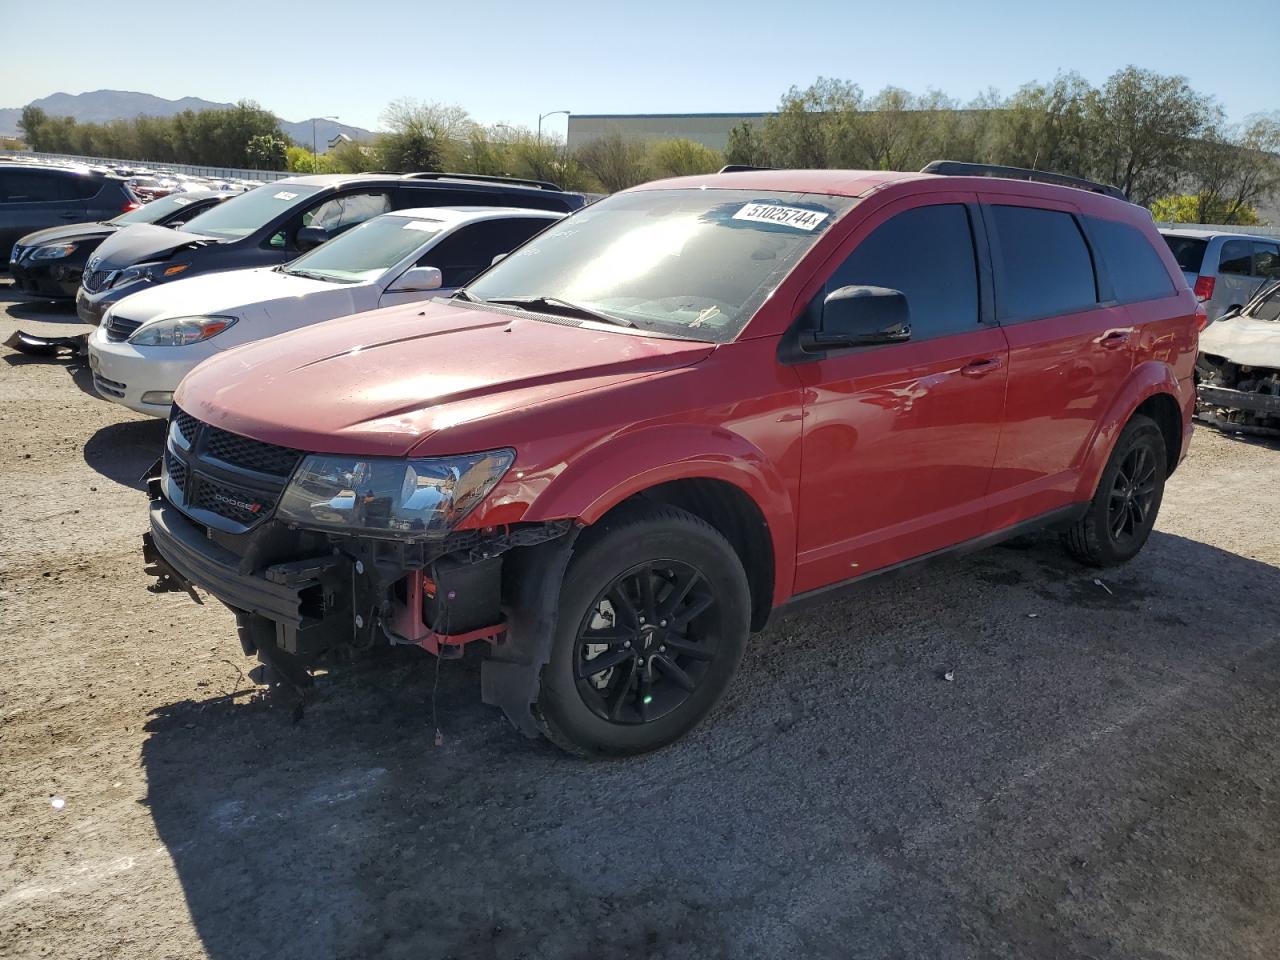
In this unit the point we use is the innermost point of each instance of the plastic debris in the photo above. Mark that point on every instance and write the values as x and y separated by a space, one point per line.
1099 583
57 803
949 676
1032 616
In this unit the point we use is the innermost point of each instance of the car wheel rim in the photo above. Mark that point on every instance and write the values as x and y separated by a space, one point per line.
647 642
1132 495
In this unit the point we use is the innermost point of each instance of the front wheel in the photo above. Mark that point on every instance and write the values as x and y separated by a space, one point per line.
1124 507
654 618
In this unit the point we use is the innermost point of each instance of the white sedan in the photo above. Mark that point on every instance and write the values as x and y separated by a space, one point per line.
150 340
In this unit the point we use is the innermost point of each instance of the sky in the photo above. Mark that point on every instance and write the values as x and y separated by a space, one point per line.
508 62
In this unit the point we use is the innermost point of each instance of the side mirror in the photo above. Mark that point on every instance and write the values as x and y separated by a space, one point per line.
311 237
859 317
417 279
496 259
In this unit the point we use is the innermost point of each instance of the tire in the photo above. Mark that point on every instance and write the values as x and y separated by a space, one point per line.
662 679
1125 505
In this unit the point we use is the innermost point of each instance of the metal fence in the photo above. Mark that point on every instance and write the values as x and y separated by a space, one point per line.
193 170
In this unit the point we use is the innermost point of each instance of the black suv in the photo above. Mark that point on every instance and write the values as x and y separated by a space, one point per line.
275 222
48 263
33 197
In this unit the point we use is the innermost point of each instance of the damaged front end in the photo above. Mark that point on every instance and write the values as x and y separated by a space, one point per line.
327 557
1237 397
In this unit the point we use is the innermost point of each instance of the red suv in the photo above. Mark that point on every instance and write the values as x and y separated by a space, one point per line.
625 446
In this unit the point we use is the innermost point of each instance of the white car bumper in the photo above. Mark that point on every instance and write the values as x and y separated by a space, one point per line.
125 374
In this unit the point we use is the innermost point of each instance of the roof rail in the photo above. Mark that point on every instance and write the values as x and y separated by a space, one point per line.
486 178
741 168
955 168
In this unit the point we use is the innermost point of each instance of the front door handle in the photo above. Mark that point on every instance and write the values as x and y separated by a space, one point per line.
980 368
1115 339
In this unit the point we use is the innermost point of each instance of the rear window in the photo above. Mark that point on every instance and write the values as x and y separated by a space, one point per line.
1188 251
1043 264
1136 270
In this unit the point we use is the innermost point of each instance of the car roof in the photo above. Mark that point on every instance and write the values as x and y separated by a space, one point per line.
840 183
79 171
465 214
1210 234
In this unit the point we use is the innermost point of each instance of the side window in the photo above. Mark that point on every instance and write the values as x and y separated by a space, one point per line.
927 253
1268 309
1136 270
340 213
34 186
464 254
1043 267
1266 260
85 188
1236 258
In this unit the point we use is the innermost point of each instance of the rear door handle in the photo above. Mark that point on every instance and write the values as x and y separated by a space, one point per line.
980 368
1115 338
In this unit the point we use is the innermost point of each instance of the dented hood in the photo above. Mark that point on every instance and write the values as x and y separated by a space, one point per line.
140 242
380 383
1243 340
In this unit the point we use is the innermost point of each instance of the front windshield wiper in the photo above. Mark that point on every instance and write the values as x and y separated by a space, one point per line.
461 294
564 308
311 275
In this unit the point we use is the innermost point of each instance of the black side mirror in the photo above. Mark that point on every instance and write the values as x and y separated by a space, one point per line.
310 237
859 317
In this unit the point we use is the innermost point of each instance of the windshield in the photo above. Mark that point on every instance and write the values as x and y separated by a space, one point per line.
155 210
242 215
1188 251
1267 307
693 263
367 251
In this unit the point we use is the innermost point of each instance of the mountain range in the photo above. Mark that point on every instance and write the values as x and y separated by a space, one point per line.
101 106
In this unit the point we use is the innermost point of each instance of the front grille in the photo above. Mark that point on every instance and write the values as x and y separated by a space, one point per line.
225 480
251 454
95 280
177 470
121 328
113 387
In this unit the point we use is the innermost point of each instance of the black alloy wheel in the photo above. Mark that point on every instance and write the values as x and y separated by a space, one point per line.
1132 494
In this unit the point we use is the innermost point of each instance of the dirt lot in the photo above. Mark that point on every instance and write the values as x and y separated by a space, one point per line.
1098 779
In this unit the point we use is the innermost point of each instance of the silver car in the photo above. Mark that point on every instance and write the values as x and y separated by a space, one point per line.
1224 269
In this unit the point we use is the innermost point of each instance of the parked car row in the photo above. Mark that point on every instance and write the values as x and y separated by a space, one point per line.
1224 269
634 431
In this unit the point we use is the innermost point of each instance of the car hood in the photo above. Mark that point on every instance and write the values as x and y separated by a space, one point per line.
231 292
72 231
140 242
380 383
1253 343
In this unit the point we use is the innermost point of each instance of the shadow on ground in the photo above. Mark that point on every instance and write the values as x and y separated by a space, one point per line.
1091 783
123 451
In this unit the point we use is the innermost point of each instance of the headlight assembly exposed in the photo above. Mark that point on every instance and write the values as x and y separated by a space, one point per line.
180 331
392 498
53 251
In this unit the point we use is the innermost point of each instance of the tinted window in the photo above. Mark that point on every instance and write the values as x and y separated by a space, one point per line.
1043 267
85 188
1188 251
32 186
1269 307
1266 260
1236 258
1136 270
465 254
341 212
927 253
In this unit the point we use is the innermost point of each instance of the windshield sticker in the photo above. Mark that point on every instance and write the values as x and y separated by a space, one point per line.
796 217
285 195
427 226
181 201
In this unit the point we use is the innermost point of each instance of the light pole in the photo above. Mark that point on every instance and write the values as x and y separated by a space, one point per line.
314 155
543 116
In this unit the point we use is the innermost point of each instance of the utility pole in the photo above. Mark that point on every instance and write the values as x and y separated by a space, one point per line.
543 116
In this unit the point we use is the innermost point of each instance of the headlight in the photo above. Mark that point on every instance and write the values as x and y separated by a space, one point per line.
148 271
180 331
400 499
53 251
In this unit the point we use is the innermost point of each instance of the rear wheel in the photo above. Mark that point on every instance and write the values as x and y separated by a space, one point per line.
654 617
1124 507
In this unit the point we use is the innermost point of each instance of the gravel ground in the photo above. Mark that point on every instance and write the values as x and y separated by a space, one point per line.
1098 779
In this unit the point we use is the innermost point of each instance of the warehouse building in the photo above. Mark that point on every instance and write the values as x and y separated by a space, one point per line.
710 129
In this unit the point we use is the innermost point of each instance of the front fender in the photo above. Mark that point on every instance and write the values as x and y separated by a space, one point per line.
623 465
1146 380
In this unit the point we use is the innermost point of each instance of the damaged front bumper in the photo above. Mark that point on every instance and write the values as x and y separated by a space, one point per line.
1238 398
306 595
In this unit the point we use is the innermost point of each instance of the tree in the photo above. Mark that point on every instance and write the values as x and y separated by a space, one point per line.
32 125
422 136
678 157
746 146
266 152
613 159
1202 208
